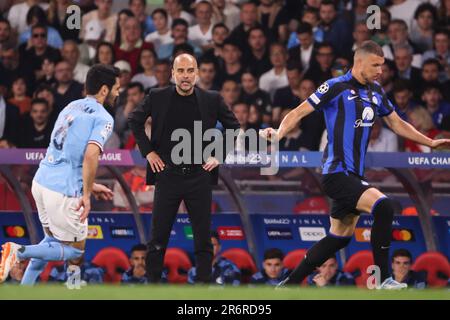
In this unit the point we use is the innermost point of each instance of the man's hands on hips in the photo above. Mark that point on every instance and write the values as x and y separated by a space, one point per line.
155 162
210 164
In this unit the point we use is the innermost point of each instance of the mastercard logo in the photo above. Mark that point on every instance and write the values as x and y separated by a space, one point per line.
14 231
402 235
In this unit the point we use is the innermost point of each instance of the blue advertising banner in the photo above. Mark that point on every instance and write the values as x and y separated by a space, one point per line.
442 229
287 232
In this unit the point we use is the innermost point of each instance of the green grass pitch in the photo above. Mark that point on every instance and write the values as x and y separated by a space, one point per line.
183 292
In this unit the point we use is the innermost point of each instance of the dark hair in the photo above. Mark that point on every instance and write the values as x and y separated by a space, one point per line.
426 7
39 26
206 60
294 65
163 61
18 77
215 235
118 37
179 21
43 87
258 27
161 11
442 31
432 85
144 3
136 84
229 41
240 102
138 247
324 44
184 48
39 101
384 10
251 72
110 46
401 85
372 47
390 64
155 56
432 61
100 75
312 10
220 25
400 22
3 20
126 11
273 253
329 3
37 12
401 253
304 27
204 2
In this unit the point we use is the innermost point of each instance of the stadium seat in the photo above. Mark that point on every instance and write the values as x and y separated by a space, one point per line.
48 268
357 266
243 260
437 267
178 264
293 258
114 261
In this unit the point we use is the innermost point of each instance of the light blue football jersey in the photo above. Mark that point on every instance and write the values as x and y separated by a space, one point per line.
81 122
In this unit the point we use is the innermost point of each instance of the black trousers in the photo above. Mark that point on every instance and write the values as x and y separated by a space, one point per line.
171 187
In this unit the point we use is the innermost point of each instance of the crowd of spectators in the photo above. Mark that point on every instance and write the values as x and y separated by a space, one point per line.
263 56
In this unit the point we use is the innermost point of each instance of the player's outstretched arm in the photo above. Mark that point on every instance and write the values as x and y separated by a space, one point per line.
406 130
90 165
289 122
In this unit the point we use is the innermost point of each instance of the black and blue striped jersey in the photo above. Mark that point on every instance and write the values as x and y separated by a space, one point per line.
350 109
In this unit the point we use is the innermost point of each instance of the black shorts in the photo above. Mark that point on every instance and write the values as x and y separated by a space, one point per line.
345 191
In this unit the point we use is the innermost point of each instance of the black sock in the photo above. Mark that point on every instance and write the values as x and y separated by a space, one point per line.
383 214
316 256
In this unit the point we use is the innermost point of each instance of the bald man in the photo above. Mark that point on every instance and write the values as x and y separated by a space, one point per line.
180 175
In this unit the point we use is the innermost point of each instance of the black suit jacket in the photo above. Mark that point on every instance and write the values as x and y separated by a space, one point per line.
12 124
155 105
294 54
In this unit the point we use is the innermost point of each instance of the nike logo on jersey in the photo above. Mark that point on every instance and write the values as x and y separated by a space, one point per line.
352 97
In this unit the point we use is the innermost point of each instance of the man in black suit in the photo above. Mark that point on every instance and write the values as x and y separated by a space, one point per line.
9 124
172 108
306 50
403 57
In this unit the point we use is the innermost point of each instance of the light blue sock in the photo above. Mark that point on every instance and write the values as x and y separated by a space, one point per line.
49 251
35 266
34 269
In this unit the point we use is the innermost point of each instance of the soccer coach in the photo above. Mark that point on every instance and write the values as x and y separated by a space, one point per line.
172 108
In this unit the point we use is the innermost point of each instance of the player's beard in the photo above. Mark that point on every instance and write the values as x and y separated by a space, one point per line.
110 100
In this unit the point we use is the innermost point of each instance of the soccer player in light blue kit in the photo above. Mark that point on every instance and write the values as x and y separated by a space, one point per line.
64 182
